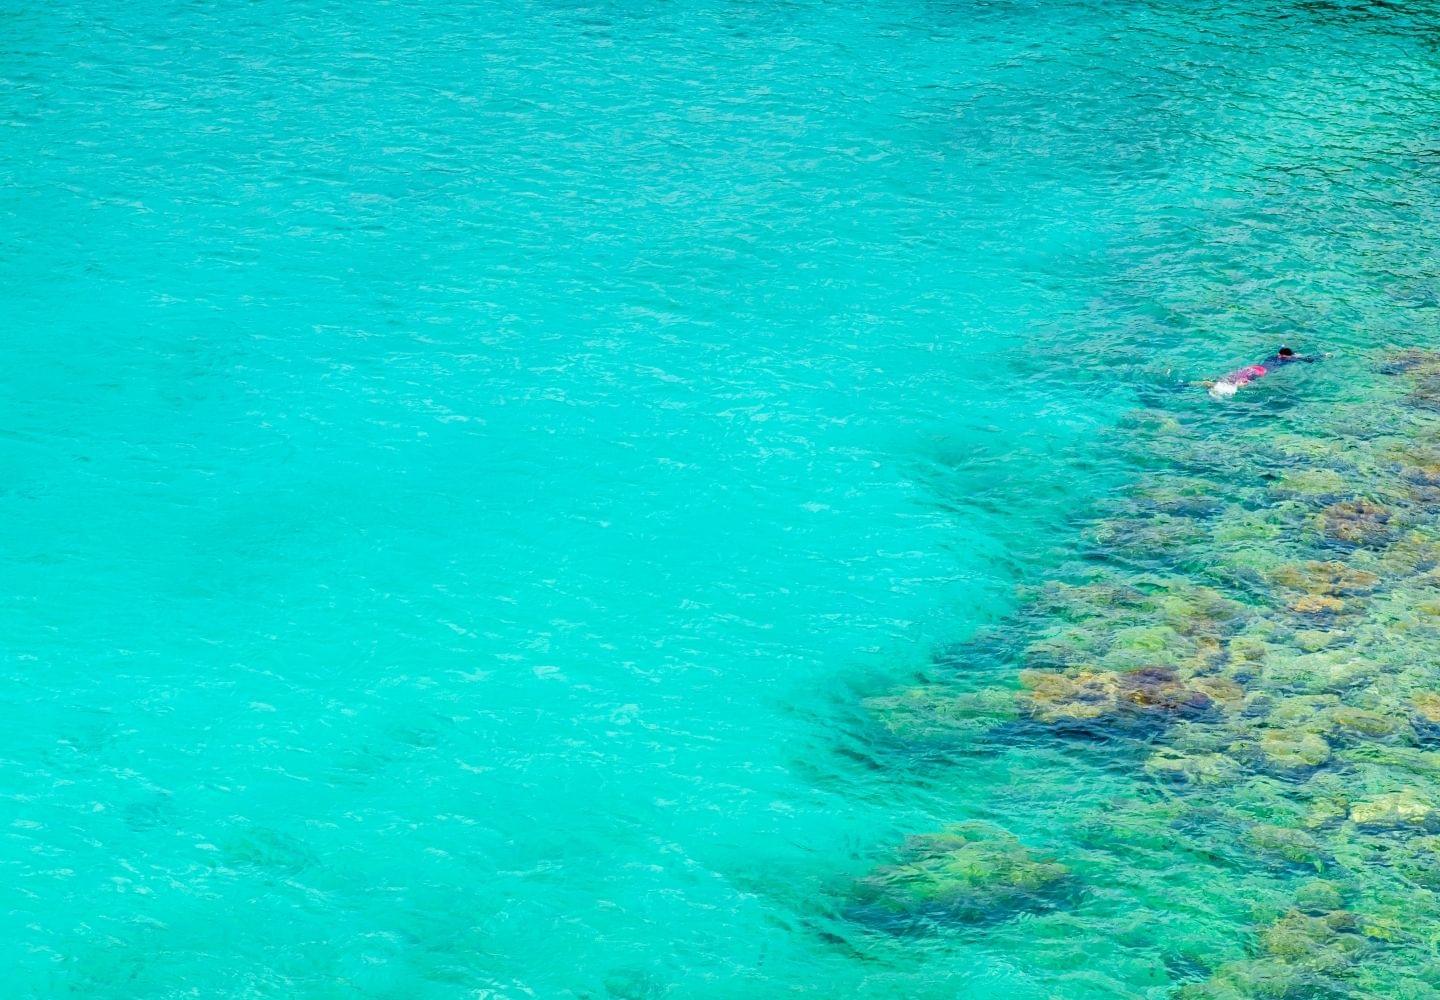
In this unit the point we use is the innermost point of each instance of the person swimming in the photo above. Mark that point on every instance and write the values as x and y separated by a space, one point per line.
1228 385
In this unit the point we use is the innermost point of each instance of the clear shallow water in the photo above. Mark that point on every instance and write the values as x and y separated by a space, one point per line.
466 470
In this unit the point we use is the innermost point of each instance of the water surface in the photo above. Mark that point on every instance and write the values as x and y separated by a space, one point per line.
467 468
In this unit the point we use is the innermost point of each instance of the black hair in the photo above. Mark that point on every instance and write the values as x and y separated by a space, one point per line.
1285 352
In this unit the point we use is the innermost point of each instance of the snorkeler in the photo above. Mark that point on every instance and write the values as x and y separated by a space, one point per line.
1227 386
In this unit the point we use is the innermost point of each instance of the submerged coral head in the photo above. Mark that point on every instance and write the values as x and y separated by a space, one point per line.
968 873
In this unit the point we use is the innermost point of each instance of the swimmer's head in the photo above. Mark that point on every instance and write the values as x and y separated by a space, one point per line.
1285 352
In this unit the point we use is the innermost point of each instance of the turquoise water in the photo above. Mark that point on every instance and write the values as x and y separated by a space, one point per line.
469 467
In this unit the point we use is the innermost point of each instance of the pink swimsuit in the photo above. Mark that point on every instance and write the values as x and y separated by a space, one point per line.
1247 374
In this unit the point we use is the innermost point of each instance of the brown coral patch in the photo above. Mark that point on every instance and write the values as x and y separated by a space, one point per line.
1316 604
1149 694
1329 579
1358 522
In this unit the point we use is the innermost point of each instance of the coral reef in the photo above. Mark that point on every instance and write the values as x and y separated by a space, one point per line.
1263 656
1359 522
969 872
